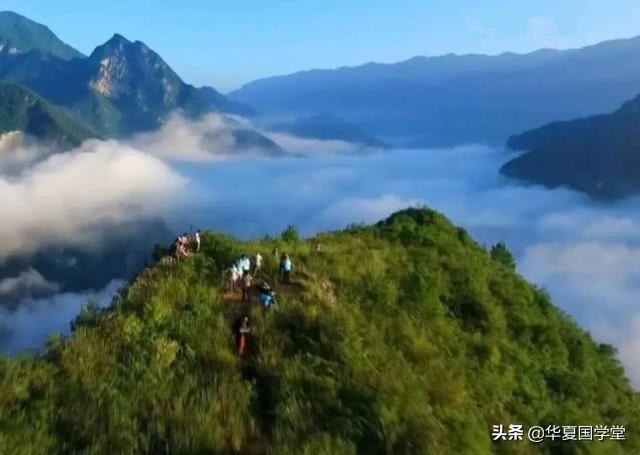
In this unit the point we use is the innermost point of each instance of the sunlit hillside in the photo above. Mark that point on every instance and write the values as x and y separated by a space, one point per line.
403 337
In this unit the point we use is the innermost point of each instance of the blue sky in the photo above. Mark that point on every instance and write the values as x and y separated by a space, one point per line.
228 43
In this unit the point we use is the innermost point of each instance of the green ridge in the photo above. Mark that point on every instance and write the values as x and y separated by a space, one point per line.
26 35
22 110
403 337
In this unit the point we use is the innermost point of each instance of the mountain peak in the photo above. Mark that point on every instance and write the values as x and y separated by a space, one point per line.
19 34
117 38
135 77
120 44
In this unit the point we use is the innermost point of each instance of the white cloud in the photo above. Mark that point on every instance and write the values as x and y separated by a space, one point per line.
598 283
595 223
213 137
17 151
28 283
314 147
364 210
63 198
629 349
206 139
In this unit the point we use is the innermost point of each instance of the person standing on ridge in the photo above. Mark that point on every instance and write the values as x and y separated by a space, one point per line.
285 268
232 276
258 264
244 264
267 297
243 331
197 236
175 248
246 287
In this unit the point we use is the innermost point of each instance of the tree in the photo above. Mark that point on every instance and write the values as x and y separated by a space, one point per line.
501 254
290 234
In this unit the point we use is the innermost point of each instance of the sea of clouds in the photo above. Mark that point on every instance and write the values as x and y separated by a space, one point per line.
586 254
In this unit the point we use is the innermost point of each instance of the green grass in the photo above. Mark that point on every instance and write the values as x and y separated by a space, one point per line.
405 337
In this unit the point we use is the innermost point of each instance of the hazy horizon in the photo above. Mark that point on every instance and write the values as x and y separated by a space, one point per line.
202 43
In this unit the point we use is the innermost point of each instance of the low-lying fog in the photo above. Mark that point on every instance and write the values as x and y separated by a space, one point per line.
585 254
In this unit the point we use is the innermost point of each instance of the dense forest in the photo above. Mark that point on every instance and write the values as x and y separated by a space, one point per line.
402 337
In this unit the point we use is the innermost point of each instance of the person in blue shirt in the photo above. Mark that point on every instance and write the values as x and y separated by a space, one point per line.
266 296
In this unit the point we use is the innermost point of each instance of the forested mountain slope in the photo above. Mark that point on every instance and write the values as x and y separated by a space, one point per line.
403 337
22 110
599 155
19 35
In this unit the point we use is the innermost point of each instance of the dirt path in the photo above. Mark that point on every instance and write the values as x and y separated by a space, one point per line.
235 309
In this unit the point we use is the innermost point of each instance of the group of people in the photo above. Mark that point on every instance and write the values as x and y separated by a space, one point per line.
267 298
185 246
241 274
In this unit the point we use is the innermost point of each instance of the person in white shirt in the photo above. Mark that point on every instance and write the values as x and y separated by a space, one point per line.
197 240
285 268
234 276
258 263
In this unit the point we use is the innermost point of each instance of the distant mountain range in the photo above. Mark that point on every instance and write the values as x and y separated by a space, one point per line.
219 102
456 99
22 110
326 127
122 88
598 155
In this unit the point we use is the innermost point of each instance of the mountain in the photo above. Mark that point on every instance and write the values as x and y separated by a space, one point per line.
220 103
419 343
19 35
458 99
326 127
122 88
22 110
142 87
598 155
